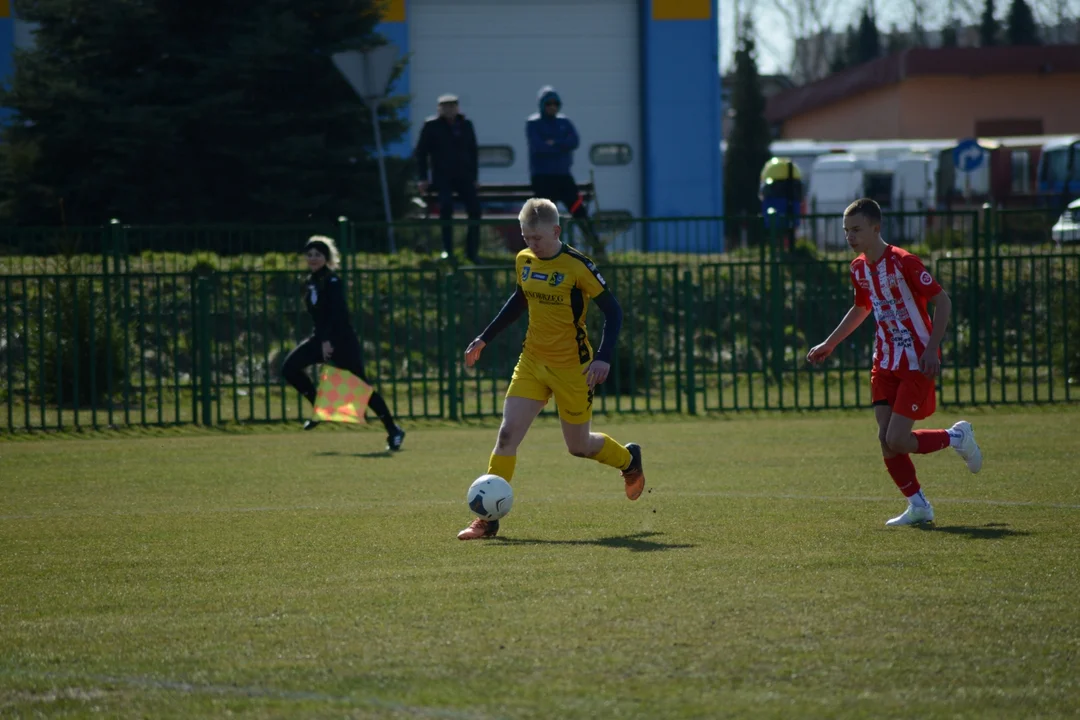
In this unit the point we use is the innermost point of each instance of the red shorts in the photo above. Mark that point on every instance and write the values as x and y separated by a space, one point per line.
907 392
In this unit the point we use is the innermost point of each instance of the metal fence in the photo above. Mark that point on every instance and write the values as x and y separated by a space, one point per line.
118 248
206 347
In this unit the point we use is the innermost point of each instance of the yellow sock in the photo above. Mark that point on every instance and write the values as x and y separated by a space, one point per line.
503 466
613 454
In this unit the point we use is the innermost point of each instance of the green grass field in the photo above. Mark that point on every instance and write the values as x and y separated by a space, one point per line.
288 574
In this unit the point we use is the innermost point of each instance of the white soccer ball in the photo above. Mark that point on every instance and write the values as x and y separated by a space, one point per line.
490 497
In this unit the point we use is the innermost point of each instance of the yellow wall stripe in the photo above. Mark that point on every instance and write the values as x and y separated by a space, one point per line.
681 9
395 11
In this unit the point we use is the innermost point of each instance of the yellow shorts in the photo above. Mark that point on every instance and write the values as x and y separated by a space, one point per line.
536 381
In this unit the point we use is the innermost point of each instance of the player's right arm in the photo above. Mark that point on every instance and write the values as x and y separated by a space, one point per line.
852 320
859 311
511 311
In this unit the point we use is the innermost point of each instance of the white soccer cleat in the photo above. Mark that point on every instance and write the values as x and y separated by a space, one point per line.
968 449
913 516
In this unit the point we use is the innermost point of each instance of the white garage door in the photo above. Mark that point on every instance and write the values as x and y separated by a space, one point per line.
496 54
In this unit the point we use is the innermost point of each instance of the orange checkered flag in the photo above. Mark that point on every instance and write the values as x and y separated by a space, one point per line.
342 396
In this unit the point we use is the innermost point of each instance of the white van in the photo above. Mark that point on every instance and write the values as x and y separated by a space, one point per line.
897 182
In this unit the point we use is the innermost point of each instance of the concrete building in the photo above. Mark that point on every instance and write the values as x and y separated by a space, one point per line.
639 79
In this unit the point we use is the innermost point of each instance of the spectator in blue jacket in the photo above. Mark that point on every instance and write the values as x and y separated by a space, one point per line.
552 141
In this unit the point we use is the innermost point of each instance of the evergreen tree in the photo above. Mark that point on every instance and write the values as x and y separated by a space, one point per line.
989 28
949 36
748 144
842 52
868 45
190 111
896 42
1021 28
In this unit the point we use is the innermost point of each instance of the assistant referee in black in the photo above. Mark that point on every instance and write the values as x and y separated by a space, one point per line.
334 340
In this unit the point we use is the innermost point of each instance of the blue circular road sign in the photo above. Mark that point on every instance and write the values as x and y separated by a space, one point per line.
968 155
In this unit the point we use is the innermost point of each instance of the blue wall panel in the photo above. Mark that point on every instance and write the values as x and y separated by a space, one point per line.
7 57
682 120
398 34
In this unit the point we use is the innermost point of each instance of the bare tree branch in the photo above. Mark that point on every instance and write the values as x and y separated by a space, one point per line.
807 21
1057 15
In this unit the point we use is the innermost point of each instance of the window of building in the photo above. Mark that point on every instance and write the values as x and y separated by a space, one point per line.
1021 172
1002 127
495 156
610 154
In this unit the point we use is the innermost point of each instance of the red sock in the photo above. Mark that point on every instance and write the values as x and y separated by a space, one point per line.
931 440
903 474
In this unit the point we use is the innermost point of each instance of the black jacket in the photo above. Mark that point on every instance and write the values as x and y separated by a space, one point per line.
451 148
324 295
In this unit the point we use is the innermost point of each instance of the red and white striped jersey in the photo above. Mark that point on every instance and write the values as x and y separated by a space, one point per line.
896 288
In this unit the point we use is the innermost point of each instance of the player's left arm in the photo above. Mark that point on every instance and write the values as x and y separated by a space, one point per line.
930 362
592 283
612 325
922 283
598 369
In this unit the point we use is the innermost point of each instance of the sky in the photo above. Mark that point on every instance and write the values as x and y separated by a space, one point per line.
774 46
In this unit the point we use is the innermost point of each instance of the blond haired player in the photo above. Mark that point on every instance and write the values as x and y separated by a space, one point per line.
555 283
894 285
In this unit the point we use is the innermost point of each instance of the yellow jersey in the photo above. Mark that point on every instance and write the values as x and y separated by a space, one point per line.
558 291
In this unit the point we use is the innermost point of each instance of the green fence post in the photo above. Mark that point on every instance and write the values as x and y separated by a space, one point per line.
988 291
106 287
440 326
118 246
776 298
453 282
688 340
345 244
204 360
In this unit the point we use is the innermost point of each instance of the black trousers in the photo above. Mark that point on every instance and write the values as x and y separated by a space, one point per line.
563 189
466 192
346 356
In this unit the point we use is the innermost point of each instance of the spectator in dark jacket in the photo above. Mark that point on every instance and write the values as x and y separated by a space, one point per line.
334 341
449 141
552 141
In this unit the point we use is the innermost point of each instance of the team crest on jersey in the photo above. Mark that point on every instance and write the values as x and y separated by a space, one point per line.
525 273
555 279
925 278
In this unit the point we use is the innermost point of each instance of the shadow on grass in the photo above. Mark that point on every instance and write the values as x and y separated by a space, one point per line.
638 542
379 454
989 531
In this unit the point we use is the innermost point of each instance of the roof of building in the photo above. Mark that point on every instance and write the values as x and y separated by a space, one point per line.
970 62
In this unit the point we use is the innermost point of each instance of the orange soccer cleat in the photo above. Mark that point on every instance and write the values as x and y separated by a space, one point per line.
633 475
478 529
